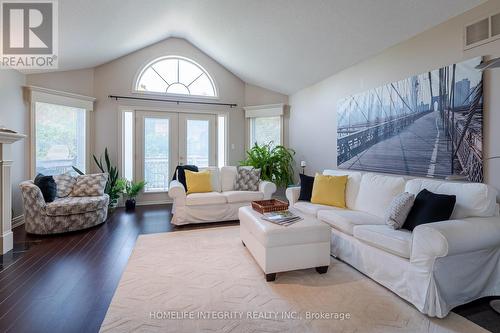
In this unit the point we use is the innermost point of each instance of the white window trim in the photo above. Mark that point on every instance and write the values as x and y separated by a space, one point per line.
149 63
33 94
268 110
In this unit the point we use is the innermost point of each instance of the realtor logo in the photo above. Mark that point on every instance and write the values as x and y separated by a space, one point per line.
29 34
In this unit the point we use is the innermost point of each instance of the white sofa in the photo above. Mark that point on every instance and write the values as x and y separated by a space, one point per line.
436 267
221 204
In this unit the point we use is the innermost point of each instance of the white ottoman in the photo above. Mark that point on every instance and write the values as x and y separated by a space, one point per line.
304 244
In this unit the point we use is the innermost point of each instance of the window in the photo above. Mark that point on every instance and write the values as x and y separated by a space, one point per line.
265 124
197 150
265 130
221 141
175 75
59 131
59 139
128 145
156 153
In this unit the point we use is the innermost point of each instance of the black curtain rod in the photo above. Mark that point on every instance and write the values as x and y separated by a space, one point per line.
171 100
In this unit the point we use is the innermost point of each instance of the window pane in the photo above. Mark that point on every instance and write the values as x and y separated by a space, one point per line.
168 70
156 151
188 72
221 141
128 152
150 81
60 138
202 87
178 88
178 76
266 130
197 142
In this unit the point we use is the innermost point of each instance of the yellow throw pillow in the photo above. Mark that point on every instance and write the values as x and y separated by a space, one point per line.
198 182
329 190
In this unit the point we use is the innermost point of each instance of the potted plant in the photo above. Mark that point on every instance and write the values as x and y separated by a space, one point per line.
111 186
275 163
130 190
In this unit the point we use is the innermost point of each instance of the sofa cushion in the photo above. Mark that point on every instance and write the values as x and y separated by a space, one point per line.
376 193
90 185
345 219
227 177
64 183
429 207
310 208
398 210
180 174
352 186
397 242
76 205
247 179
306 187
198 182
47 185
208 198
214 178
243 196
473 199
329 190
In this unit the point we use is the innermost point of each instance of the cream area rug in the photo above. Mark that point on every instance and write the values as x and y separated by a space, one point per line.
207 281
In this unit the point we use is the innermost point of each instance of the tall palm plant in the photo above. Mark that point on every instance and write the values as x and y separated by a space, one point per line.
275 163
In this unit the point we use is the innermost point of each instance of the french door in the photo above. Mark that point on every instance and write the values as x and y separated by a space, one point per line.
167 139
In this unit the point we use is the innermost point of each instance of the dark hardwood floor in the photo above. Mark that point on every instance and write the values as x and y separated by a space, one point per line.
65 283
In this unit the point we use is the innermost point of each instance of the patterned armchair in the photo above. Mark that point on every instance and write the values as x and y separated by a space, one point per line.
63 214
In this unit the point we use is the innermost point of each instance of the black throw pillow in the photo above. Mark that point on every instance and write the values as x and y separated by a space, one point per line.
306 187
181 176
48 187
429 207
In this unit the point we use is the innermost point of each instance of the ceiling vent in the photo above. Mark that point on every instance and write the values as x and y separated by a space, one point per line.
483 31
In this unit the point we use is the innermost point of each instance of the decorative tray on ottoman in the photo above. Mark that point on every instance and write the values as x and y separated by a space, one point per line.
272 205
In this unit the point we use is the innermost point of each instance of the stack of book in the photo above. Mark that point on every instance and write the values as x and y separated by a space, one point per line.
284 218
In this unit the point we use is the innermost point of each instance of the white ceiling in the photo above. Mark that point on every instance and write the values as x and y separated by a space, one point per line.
283 45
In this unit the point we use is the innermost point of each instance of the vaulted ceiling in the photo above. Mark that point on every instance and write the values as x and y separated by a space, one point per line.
283 45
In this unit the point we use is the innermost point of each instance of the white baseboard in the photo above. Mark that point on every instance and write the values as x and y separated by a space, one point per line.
159 202
17 221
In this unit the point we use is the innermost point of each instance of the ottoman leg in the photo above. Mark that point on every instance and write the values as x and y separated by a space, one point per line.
270 277
322 269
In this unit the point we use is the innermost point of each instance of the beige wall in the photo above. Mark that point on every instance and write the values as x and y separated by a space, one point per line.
13 115
313 110
255 95
117 77
77 82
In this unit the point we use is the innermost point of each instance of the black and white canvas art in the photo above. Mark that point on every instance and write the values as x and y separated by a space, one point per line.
428 125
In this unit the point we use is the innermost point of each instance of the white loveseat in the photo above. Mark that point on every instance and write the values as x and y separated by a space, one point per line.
436 267
221 204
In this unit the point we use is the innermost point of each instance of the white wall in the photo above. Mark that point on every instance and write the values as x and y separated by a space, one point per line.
13 115
313 110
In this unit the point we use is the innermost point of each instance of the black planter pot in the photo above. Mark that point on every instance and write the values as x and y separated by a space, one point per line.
130 204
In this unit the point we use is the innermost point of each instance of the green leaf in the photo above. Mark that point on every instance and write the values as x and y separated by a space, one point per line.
78 171
276 163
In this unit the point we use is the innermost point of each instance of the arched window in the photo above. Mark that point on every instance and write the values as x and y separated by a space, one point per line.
175 75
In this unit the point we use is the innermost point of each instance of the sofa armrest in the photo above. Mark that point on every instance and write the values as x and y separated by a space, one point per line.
440 239
32 196
268 188
177 191
292 194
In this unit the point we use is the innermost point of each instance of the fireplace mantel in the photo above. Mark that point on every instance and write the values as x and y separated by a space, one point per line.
6 140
